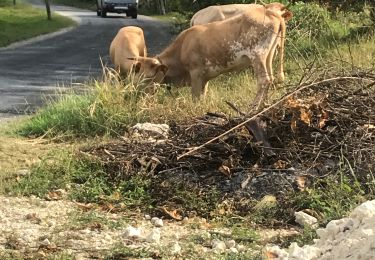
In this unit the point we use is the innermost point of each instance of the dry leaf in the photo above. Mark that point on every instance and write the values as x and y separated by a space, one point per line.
95 226
323 119
293 124
280 164
85 207
53 195
173 214
301 182
305 116
224 170
270 256
33 217
115 196
293 103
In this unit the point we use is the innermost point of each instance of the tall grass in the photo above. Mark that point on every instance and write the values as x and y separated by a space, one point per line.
108 106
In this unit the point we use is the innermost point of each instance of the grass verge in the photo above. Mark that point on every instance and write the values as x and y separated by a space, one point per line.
22 21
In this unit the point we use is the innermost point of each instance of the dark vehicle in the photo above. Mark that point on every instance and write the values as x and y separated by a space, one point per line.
130 7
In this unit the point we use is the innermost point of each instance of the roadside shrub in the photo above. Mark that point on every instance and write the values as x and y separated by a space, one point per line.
315 29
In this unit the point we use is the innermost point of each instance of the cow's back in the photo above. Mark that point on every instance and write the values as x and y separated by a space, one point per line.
128 43
219 13
223 45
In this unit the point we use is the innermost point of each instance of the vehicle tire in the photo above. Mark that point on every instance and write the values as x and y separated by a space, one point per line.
134 15
98 12
103 14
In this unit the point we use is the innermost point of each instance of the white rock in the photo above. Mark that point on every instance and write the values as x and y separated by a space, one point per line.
175 248
218 246
305 219
85 231
156 130
45 242
23 172
280 254
80 256
185 220
147 217
240 248
132 232
157 222
346 238
154 236
205 234
230 243
366 209
233 250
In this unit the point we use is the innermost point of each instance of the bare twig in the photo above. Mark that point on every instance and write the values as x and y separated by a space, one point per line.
300 88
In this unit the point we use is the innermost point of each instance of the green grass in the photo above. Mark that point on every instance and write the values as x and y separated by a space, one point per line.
93 219
108 106
22 22
86 180
123 252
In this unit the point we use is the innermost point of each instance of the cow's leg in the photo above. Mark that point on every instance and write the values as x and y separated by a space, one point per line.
281 40
263 81
198 85
270 58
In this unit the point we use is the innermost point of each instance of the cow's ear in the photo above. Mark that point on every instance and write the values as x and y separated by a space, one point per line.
163 68
137 67
287 15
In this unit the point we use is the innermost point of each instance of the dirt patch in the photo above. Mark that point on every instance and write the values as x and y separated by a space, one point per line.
33 228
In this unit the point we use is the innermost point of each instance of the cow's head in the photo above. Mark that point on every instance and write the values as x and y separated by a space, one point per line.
150 68
280 9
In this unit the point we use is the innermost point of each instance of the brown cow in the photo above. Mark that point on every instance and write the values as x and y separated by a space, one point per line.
216 13
203 52
128 43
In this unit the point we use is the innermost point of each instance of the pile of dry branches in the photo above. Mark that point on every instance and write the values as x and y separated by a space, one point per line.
322 128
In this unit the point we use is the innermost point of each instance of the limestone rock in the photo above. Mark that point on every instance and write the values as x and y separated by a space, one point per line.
157 222
154 236
305 219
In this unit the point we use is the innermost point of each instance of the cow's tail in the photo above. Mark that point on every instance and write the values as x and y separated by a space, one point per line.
282 33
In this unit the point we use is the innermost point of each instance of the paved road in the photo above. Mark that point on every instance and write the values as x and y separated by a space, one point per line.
29 72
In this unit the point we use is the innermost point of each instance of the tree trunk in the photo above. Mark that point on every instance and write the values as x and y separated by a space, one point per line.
48 8
14 2
162 7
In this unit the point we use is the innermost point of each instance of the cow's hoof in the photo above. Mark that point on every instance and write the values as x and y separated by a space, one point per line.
256 108
280 78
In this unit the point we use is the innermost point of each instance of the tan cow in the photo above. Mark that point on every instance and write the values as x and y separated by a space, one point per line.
203 52
128 43
222 12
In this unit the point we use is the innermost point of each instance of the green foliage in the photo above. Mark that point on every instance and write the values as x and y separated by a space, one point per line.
314 29
86 180
82 220
331 198
50 174
123 252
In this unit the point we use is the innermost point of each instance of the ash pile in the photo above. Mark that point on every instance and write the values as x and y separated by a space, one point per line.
322 129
